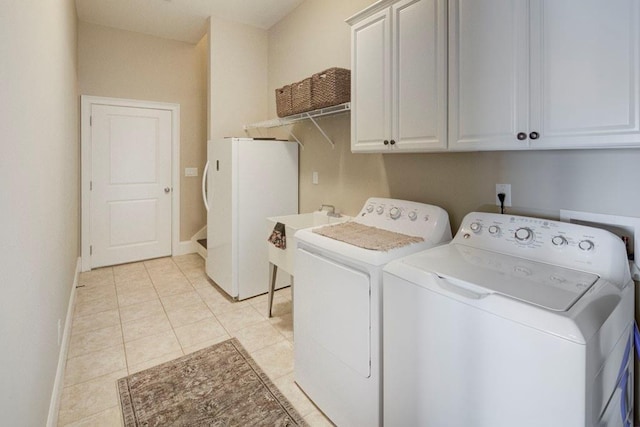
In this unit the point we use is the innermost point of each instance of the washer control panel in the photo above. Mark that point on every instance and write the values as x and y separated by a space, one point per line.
403 216
560 243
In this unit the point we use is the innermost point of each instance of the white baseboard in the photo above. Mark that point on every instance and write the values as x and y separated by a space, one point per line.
201 250
54 405
201 234
186 247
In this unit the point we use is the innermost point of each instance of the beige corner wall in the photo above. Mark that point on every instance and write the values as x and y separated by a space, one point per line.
315 37
238 77
39 221
123 64
312 38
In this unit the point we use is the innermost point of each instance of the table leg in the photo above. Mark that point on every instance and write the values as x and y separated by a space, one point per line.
273 269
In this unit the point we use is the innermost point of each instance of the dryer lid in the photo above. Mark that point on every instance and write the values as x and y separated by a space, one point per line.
545 285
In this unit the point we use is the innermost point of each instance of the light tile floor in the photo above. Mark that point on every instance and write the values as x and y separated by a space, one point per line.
131 317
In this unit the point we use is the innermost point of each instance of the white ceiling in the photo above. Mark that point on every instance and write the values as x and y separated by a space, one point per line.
183 20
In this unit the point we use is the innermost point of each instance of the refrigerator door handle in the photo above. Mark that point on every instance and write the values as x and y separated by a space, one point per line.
204 186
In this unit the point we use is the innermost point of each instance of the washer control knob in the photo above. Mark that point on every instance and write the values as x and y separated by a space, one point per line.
475 227
586 245
413 215
494 230
559 241
524 235
394 213
380 210
369 208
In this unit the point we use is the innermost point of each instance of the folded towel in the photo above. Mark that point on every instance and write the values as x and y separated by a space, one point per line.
278 237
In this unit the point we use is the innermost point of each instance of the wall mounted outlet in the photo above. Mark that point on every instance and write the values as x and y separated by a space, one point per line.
314 177
506 189
190 171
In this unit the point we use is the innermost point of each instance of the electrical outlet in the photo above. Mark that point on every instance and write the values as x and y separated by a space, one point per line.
506 189
314 177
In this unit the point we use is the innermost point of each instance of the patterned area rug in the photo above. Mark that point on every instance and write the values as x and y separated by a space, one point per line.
218 386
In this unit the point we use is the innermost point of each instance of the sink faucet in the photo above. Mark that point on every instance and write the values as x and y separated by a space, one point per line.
331 210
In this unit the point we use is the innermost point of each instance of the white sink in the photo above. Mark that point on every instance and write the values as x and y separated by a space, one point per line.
285 258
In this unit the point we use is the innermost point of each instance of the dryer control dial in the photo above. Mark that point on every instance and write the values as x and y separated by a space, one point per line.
494 230
475 227
394 213
380 210
524 235
586 245
413 215
369 208
558 241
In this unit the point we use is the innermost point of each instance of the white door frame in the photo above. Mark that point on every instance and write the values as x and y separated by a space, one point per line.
85 137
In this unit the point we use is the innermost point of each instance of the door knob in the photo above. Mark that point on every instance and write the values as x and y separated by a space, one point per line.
522 136
534 135
167 189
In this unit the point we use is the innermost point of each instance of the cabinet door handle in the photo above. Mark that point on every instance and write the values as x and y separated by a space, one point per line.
534 135
522 136
385 142
392 142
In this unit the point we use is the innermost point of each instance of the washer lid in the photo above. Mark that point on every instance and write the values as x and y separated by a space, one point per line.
548 286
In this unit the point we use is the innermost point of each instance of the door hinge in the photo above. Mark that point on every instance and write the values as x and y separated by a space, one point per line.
90 249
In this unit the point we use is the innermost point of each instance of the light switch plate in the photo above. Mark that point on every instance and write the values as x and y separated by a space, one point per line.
190 171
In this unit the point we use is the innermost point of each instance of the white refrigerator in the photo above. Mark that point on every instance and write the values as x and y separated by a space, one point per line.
248 180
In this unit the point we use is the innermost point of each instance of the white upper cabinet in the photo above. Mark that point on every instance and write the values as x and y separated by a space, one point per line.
488 80
585 73
543 74
399 77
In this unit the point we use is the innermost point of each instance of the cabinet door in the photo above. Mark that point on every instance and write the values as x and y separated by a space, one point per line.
418 75
489 81
370 87
585 73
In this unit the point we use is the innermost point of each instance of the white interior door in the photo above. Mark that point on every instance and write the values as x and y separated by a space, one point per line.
131 181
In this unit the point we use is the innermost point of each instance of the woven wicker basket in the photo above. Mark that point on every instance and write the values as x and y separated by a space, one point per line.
330 87
283 101
301 96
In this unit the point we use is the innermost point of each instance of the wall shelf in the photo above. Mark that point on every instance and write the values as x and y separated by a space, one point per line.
309 115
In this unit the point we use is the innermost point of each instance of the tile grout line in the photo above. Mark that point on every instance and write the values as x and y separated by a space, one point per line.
124 346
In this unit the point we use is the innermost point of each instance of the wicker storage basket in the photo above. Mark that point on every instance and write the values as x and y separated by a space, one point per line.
301 96
330 87
283 101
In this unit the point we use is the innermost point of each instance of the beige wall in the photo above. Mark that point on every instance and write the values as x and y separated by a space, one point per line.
122 64
312 38
315 37
238 77
39 221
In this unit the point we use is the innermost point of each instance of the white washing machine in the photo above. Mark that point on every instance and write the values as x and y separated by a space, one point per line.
517 322
337 309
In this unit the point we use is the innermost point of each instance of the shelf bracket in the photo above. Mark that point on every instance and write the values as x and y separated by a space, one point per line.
296 138
289 120
321 131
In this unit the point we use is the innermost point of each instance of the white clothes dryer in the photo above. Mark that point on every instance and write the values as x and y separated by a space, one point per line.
517 322
338 307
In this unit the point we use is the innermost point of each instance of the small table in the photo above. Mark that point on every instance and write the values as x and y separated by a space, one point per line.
285 258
